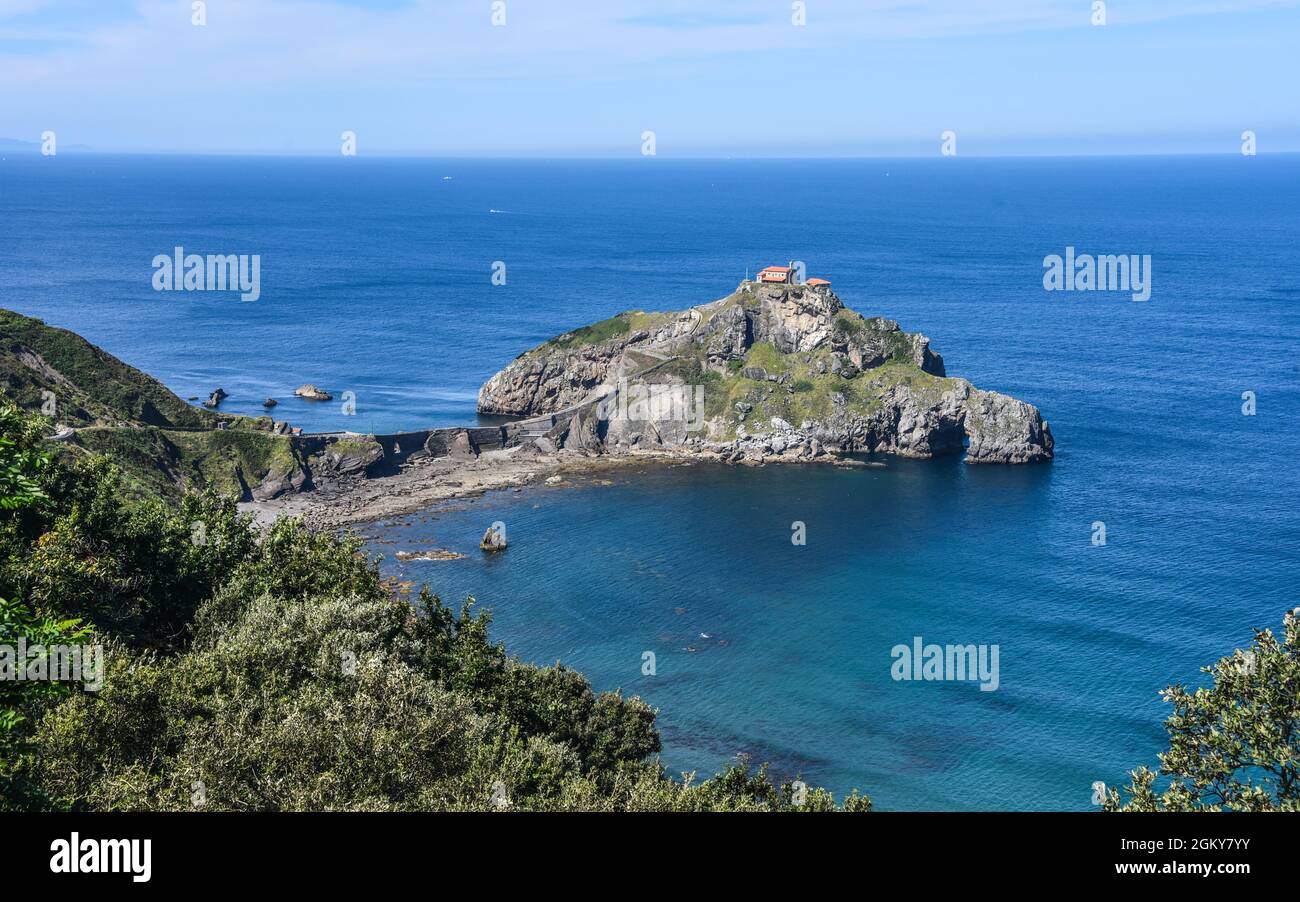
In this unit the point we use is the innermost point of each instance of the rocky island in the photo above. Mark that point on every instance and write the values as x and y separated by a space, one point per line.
773 371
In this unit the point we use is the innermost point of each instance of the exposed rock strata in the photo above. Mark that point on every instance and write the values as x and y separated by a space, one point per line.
724 369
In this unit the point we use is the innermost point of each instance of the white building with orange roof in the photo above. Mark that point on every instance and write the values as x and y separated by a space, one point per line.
776 274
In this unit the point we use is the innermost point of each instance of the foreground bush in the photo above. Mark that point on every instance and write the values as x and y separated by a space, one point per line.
1234 745
21 466
282 672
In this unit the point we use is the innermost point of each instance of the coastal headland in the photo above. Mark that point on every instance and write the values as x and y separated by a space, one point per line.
778 371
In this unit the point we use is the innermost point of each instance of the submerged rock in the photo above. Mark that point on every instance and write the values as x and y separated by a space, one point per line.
438 555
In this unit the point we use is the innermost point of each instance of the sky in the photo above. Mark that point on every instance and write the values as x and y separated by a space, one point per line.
711 78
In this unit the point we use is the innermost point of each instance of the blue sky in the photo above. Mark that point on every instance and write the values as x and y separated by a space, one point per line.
709 77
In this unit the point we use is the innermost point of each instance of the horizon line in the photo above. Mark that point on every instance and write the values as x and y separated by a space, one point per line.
77 150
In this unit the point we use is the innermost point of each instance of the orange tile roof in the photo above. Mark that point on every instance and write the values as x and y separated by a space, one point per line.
775 269
817 282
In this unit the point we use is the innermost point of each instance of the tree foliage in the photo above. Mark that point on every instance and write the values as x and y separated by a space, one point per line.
22 464
1233 745
281 671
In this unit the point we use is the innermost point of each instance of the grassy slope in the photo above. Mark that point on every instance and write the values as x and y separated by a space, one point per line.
812 398
616 326
132 414
813 395
95 389
166 461
132 417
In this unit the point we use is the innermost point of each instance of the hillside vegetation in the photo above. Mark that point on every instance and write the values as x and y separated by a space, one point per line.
283 672
89 385
783 371
162 444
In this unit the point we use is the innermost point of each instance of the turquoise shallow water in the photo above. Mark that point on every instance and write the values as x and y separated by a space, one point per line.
376 278
797 667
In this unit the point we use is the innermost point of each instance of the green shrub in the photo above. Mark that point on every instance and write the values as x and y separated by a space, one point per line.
1233 746
22 464
849 323
283 672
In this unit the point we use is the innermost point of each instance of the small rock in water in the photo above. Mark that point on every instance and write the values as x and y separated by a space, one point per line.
217 396
270 402
312 393
493 540
439 555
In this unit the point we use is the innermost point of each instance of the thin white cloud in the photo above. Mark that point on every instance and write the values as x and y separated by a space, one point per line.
320 50
299 40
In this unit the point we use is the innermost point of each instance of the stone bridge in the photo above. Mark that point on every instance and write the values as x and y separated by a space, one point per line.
399 447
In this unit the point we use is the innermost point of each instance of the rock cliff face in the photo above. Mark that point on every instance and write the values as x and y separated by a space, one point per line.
545 383
734 375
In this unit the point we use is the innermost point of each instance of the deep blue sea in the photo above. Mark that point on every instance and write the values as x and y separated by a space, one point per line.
376 278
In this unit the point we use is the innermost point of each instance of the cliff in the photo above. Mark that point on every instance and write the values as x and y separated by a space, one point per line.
735 376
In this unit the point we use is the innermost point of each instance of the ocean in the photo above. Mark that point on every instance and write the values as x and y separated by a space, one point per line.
376 278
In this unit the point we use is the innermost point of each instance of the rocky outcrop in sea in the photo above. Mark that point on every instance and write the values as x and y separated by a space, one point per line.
312 393
731 377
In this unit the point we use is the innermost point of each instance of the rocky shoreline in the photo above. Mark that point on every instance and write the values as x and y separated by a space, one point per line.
731 376
427 482
721 382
